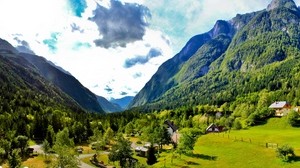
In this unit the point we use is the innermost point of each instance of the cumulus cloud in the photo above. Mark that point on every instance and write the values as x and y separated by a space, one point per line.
120 24
108 89
123 93
75 27
51 42
184 19
154 52
137 75
78 7
23 46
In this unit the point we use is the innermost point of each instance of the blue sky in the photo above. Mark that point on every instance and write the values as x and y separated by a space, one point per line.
113 47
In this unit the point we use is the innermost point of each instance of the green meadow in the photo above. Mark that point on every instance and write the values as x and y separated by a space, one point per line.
239 148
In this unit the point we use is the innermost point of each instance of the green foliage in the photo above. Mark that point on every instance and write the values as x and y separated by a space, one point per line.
151 158
120 151
64 148
50 135
108 135
21 142
2 155
46 146
285 152
14 159
237 124
187 141
63 139
293 118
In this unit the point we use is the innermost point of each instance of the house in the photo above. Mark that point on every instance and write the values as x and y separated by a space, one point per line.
171 126
173 130
213 128
141 151
281 108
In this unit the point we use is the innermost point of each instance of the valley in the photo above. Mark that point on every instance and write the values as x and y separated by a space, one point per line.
229 98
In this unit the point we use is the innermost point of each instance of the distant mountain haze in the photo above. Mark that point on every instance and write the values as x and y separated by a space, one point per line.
109 107
248 54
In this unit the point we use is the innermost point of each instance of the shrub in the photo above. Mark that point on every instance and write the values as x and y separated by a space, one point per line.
285 152
292 118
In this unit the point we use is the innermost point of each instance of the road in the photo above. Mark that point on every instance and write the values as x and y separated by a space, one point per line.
82 164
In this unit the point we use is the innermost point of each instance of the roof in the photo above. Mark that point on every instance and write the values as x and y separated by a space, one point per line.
279 104
212 128
140 148
171 125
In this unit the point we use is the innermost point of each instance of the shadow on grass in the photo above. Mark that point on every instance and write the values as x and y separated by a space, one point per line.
294 159
203 156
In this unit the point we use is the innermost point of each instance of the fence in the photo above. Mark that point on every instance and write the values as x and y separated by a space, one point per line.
247 140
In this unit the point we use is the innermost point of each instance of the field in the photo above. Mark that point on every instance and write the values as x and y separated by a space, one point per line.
243 148
237 148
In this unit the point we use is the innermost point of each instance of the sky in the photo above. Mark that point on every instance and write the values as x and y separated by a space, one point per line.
113 47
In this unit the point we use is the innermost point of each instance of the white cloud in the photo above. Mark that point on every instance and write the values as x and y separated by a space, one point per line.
172 24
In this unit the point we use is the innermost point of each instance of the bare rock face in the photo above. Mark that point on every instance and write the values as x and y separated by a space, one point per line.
290 4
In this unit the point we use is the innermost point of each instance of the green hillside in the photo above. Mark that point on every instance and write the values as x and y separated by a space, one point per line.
258 58
243 148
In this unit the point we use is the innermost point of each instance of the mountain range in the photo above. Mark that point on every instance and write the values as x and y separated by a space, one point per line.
252 57
250 54
54 78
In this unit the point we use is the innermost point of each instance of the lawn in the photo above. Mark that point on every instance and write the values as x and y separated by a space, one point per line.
239 148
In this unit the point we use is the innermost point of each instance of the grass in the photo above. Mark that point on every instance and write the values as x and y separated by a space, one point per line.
34 162
237 148
101 157
243 148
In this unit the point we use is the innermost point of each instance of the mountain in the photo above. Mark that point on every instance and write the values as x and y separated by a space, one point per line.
107 106
249 54
66 82
50 73
23 88
122 102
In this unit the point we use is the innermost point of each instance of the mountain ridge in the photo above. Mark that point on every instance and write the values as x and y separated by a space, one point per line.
248 43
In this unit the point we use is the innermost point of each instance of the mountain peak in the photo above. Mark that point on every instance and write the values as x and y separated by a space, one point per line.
282 3
7 47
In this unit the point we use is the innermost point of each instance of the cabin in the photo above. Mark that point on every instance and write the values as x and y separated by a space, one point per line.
213 128
173 130
141 151
281 108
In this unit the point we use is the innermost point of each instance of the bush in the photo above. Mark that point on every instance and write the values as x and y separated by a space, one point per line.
237 124
285 152
292 118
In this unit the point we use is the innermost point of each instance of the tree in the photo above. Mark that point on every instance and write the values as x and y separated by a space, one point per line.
62 139
129 129
120 151
161 135
151 158
2 155
292 118
285 152
14 159
108 135
46 147
237 124
50 135
64 148
187 141
22 143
